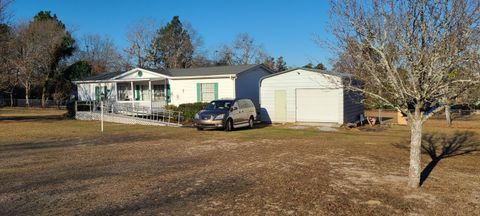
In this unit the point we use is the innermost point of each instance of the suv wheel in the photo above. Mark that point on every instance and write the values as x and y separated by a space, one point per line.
229 125
199 128
250 122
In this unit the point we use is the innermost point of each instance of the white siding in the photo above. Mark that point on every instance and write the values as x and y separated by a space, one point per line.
185 90
290 81
86 91
136 75
247 85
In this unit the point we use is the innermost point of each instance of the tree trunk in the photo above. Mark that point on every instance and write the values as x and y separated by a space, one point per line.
415 150
27 91
11 98
44 94
448 115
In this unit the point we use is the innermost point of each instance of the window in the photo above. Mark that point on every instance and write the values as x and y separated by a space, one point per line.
142 93
219 105
243 104
158 92
207 92
124 92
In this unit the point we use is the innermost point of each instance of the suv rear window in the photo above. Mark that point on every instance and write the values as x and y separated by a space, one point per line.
245 104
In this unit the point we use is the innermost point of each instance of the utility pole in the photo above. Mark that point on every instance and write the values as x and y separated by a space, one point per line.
102 97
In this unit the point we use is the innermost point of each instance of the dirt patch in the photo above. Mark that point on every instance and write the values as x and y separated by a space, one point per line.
66 167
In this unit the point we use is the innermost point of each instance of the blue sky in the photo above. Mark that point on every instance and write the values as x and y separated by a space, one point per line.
285 28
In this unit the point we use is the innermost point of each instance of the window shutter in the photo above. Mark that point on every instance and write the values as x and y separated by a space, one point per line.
199 92
215 86
137 92
168 94
105 91
97 93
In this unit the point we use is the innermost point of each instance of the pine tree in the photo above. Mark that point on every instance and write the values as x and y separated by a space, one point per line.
280 65
172 46
320 66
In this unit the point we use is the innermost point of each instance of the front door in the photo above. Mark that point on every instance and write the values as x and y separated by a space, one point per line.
138 89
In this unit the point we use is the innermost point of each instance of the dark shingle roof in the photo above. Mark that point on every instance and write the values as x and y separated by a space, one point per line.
206 71
104 76
201 71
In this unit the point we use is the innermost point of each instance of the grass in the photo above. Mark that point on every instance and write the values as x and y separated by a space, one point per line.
51 165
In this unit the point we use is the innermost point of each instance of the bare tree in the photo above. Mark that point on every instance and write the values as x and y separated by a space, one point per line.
8 74
408 53
225 55
244 50
246 47
101 53
139 37
33 50
4 14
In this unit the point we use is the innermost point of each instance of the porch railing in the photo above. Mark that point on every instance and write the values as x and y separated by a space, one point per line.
158 114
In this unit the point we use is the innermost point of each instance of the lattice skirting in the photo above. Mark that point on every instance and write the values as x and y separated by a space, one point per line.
109 117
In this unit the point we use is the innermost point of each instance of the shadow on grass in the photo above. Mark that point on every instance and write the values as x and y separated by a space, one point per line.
32 118
440 146
57 143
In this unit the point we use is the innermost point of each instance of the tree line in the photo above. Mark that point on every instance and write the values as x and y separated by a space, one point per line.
40 58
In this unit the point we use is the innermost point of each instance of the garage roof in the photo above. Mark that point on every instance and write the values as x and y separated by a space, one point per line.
309 69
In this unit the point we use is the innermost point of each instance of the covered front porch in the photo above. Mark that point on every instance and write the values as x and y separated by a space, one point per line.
149 95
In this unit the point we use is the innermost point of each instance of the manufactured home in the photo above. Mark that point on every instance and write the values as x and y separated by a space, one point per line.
153 89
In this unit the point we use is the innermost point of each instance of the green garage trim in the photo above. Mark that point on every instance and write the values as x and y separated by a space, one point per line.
215 86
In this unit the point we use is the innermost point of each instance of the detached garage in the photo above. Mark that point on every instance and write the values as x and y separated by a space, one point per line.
308 95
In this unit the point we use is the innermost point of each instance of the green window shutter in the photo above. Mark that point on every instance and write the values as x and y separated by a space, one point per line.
105 91
137 92
199 92
215 86
97 93
168 94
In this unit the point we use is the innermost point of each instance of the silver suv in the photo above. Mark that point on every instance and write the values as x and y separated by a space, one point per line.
226 114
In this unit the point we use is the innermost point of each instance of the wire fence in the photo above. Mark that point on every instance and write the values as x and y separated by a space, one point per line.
382 115
33 103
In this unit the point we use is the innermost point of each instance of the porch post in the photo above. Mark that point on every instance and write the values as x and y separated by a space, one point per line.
150 91
165 101
116 92
133 95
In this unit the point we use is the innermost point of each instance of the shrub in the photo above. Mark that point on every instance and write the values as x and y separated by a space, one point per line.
171 107
190 109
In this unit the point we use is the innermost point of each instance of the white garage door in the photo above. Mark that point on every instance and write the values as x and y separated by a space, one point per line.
318 105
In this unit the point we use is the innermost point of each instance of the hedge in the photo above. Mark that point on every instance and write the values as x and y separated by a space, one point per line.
188 110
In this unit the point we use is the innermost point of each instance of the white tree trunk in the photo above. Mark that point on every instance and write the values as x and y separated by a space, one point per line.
448 115
27 92
11 98
415 152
